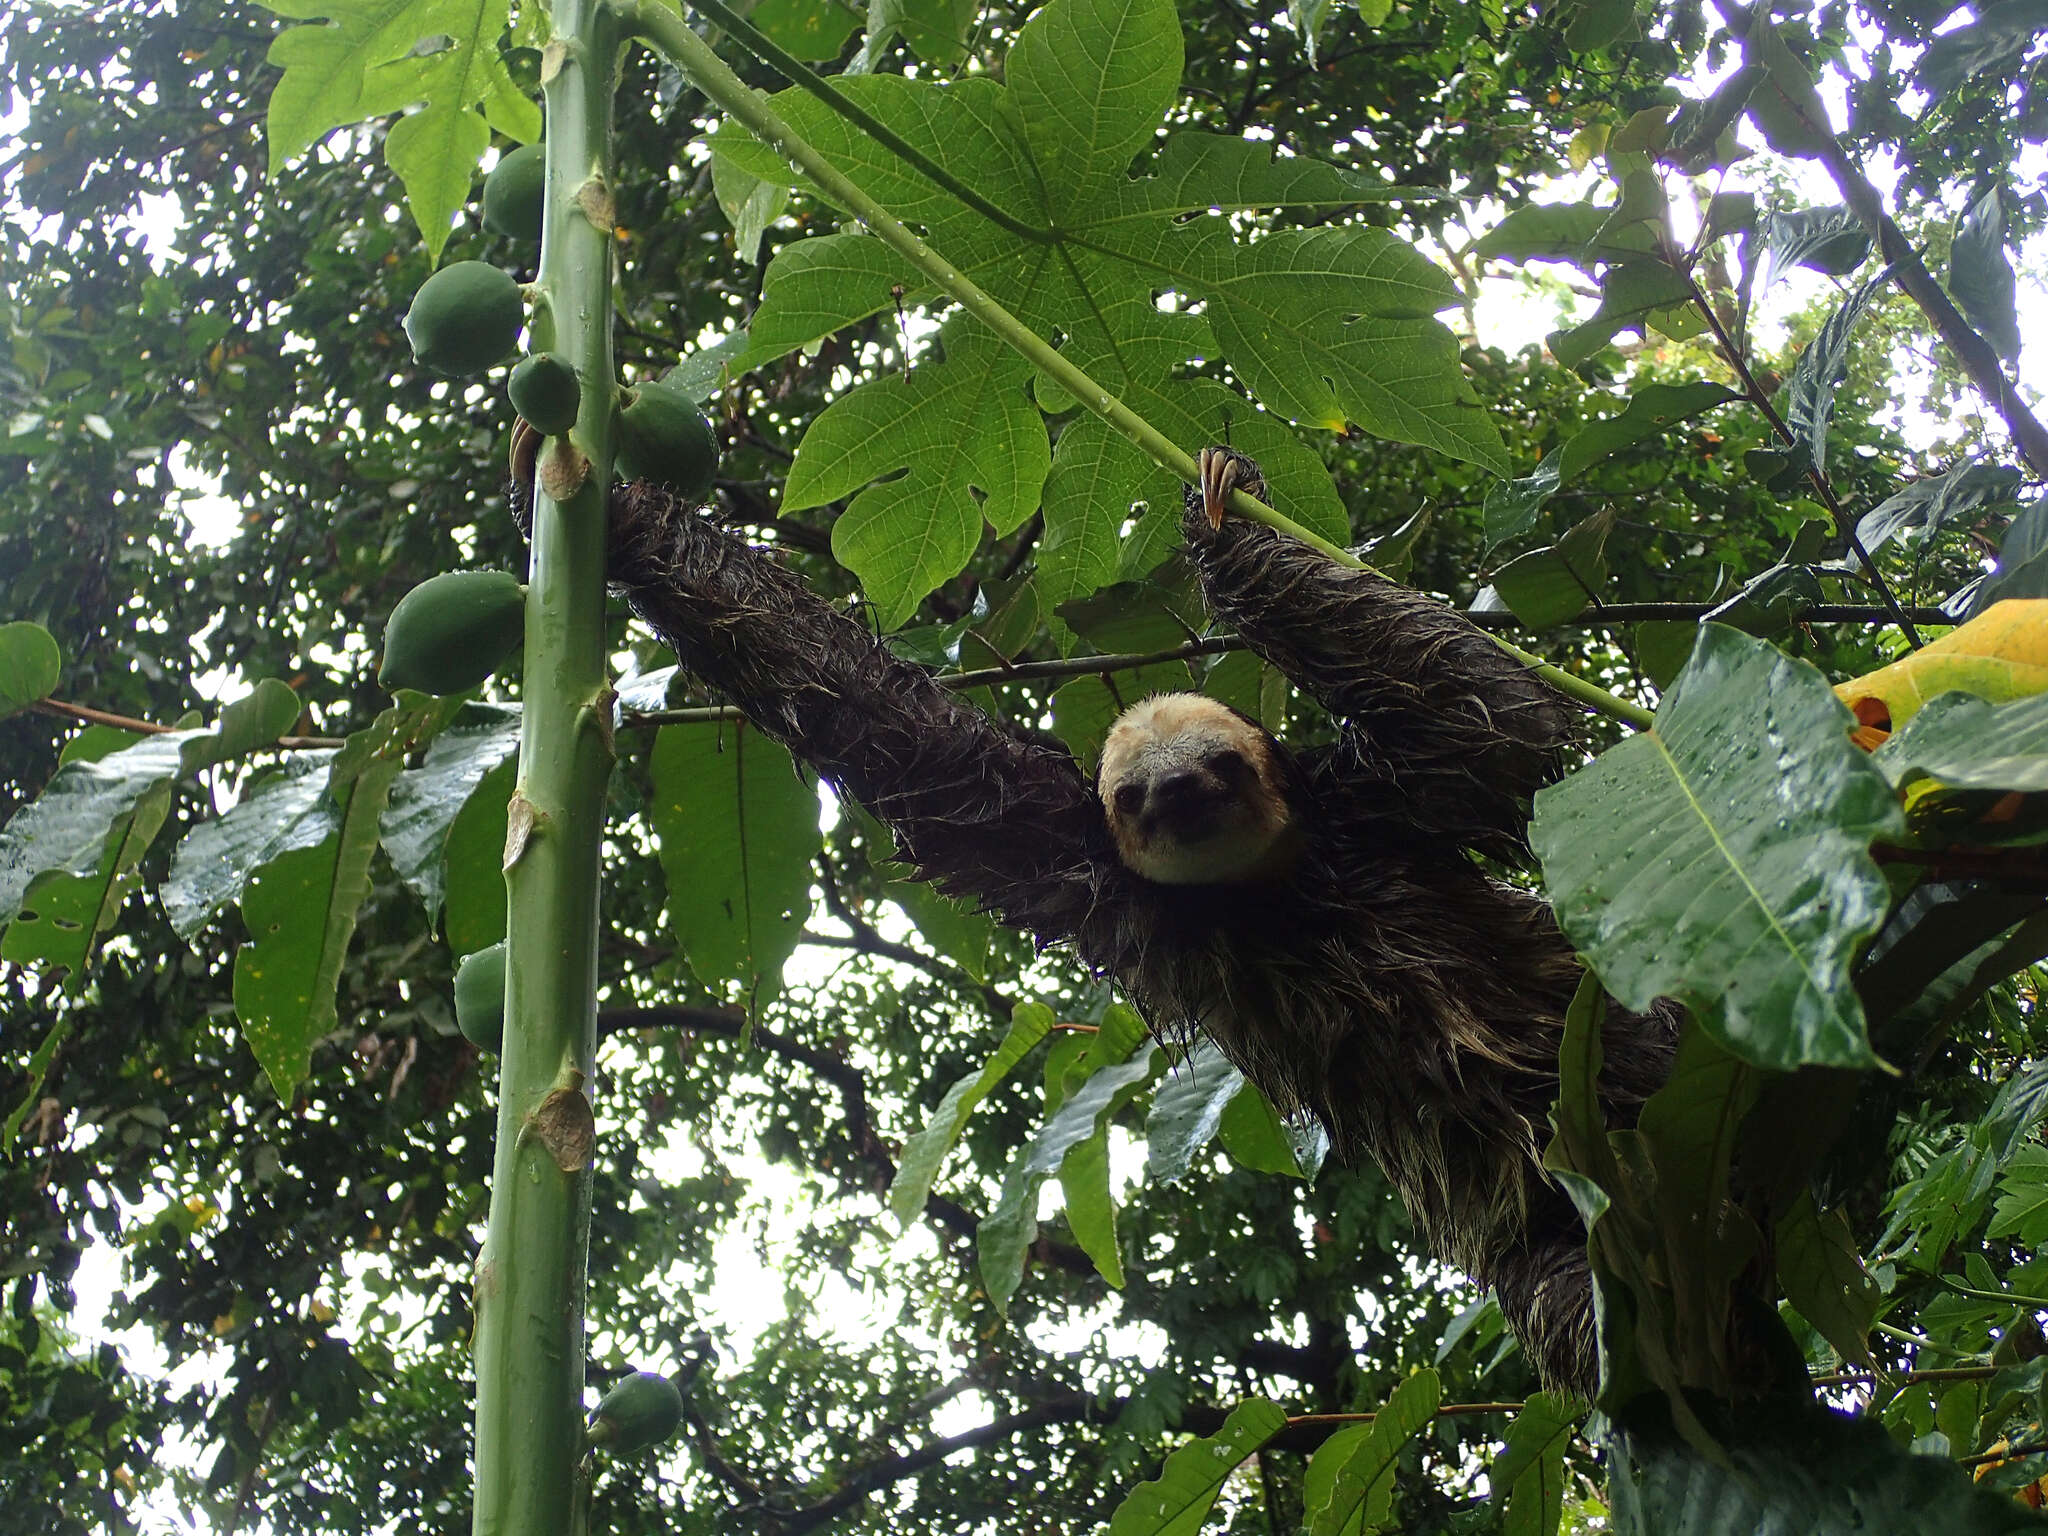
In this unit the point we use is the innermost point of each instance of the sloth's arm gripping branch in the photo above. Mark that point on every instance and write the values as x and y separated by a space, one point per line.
980 811
1443 729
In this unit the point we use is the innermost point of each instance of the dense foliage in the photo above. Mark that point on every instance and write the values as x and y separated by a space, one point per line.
284 1193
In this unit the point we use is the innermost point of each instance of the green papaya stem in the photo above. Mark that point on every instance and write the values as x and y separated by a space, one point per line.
531 1275
794 70
669 33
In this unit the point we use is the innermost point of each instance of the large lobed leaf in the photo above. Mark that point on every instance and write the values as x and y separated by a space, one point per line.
1331 325
372 58
1722 858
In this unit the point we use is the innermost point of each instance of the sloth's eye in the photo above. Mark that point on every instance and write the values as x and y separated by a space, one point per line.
1130 798
1228 764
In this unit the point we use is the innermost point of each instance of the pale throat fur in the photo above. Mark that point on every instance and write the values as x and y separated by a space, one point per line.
1196 794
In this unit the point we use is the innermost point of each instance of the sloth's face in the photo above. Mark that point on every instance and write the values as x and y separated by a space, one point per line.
1194 794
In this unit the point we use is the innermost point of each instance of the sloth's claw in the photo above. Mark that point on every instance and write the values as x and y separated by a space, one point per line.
1219 473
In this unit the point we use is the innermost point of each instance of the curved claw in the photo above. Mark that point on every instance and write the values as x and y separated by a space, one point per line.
1220 470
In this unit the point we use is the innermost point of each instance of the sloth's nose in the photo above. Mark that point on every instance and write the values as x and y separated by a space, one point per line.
1180 790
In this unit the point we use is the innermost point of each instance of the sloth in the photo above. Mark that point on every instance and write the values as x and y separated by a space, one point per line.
1319 914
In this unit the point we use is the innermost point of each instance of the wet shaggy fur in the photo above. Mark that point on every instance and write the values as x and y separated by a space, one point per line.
1387 985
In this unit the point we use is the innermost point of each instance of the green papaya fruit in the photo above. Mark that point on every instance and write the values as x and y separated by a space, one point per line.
451 631
663 437
480 998
465 318
640 1410
515 191
545 393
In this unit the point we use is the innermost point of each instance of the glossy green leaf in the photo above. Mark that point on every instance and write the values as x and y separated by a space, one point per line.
419 820
738 829
1548 586
1187 1111
1360 1491
300 906
1787 1473
1254 1136
1981 278
1007 1231
927 1149
1178 1501
1722 857
30 665
70 826
1527 1477
1824 1277
1992 43
1931 504
1808 401
215 862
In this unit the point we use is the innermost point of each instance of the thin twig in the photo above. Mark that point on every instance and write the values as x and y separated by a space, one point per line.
1823 487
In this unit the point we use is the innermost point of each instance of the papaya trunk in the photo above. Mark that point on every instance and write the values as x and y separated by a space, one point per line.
530 1278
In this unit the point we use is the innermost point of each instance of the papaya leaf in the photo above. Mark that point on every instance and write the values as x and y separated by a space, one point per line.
2001 654
1721 858
30 665
84 813
1360 1489
1981 278
1330 324
1824 1277
738 829
2022 1209
1007 1231
1808 400
300 906
1178 1501
1187 1111
372 58
808 29
971 448
419 820
1528 1476
927 1149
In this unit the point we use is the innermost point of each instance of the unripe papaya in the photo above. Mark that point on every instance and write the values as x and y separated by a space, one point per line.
515 191
545 393
641 1410
451 631
663 437
465 318
480 998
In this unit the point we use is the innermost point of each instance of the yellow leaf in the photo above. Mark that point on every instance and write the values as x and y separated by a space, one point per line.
2001 654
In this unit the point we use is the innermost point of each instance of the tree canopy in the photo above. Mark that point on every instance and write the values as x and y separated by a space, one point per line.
927 1230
